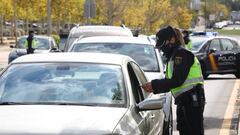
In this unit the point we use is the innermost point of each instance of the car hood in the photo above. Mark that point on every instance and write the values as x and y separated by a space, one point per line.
57 119
21 52
154 75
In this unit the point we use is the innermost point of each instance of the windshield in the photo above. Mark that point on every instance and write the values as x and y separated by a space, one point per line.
76 83
197 43
144 55
42 43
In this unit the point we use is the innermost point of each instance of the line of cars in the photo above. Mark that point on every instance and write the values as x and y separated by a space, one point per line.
75 79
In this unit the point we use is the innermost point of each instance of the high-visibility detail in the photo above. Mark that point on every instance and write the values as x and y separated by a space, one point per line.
194 77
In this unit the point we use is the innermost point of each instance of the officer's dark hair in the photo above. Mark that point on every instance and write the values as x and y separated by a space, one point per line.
179 37
164 34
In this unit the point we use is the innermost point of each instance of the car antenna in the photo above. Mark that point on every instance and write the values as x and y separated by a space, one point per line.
122 25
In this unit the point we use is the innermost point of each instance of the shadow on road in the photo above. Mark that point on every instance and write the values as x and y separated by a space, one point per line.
215 123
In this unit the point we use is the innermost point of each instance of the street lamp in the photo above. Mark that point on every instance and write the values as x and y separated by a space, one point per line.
49 18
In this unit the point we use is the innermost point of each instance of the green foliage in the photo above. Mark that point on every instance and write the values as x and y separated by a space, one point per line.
229 32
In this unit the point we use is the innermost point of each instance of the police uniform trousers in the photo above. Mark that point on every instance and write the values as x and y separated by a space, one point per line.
190 108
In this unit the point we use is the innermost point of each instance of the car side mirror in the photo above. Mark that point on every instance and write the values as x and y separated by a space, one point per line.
212 50
11 46
54 49
150 104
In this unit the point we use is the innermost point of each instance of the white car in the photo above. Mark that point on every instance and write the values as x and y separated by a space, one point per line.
95 30
75 93
141 49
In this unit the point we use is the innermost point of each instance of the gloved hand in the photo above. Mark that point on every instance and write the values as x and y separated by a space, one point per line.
147 87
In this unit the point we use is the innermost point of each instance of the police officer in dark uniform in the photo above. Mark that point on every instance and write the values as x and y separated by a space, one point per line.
187 40
30 43
184 79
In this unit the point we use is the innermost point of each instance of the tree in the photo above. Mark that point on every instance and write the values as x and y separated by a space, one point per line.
6 13
110 11
183 17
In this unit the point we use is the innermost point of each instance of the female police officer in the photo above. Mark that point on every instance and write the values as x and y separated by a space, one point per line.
184 79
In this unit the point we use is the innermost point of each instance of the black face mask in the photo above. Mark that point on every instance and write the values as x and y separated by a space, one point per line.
167 48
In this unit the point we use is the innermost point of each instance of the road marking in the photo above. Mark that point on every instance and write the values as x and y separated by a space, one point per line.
225 128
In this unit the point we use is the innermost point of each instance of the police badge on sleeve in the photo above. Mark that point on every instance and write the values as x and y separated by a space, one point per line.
178 60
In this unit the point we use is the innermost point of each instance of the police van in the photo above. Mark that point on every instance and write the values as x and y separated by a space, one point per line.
217 54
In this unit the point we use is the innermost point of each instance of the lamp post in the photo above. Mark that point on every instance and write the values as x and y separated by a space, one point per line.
205 13
49 18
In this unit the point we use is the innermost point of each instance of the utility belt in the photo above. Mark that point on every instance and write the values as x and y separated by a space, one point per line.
196 96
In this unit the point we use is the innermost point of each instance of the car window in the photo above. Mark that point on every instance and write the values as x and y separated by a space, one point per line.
42 43
135 85
143 54
215 43
226 44
205 47
140 76
197 43
76 83
235 44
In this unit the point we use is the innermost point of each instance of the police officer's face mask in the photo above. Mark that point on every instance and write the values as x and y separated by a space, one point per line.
166 47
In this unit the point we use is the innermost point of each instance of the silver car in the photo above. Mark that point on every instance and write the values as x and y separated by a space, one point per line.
75 93
45 44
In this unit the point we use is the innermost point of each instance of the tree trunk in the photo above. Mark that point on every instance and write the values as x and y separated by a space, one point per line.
1 29
58 26
27 23
110 12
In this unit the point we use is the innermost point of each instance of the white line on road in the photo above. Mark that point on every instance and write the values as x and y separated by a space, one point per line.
225 128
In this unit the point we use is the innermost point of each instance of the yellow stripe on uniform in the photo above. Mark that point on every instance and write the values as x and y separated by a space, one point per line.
213 62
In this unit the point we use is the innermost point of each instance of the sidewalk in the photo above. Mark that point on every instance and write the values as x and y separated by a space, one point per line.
4 52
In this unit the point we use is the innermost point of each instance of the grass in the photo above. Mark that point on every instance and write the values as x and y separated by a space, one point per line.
228 32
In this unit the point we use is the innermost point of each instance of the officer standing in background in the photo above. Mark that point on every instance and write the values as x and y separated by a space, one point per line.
30 43
187 40
183 78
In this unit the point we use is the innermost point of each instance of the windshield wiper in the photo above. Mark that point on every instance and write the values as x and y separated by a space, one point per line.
60 103
13 103
46 103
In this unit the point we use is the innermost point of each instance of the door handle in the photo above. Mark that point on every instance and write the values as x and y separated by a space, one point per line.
152 116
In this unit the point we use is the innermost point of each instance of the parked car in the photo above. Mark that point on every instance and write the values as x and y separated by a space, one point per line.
95 30
75 93
45 44
217 55
142 50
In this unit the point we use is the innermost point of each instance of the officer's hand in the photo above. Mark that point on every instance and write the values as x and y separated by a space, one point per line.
147 87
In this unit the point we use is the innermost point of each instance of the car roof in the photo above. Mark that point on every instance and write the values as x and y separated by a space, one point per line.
104 58
204 33
116 39
96 30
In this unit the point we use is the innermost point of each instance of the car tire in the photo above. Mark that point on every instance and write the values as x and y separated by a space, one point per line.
168 125
237 75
